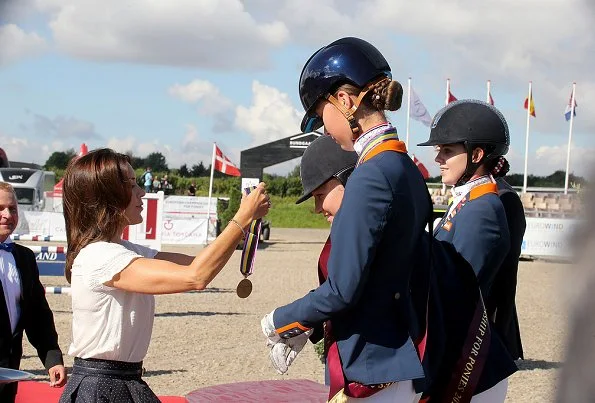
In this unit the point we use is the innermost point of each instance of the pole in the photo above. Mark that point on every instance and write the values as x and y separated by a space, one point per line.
408 111
489 84
210 193
530 98
572 98
447 91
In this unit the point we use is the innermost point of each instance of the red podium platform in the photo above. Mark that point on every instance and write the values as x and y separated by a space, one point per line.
292 390
40 392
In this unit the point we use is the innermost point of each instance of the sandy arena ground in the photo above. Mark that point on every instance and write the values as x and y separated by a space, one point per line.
213 337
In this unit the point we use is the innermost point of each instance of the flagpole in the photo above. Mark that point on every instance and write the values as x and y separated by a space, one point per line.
572 98
529 98
408 111
489 84
210 193
447 91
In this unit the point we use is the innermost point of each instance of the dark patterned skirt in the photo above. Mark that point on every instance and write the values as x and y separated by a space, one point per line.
94 380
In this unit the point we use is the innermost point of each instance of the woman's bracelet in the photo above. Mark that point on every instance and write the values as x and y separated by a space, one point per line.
239 226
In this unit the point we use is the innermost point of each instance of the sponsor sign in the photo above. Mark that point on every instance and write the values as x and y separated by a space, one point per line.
302 140
185 220
548 237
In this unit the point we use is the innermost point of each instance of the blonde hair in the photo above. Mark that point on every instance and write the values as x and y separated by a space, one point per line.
7 187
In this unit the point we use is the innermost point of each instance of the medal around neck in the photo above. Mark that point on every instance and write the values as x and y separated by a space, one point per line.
244 288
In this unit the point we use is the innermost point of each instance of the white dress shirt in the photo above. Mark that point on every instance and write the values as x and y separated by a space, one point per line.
11 284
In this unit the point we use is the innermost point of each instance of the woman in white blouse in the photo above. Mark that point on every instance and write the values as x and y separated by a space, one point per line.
113 281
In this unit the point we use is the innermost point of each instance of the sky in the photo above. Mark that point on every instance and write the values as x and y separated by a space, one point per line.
176 76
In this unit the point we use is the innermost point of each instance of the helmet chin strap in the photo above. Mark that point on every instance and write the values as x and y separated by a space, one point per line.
349 113
471 167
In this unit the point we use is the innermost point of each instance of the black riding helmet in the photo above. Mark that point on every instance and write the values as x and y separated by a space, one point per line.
347 60
474 124
323 160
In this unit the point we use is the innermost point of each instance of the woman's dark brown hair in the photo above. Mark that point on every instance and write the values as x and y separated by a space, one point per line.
96 193
383 95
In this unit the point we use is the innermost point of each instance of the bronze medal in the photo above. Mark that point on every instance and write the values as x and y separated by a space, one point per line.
244 288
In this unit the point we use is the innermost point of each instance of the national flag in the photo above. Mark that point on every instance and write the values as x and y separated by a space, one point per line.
422 169
570 109
223 164
418 110
529 104
449 97
84 150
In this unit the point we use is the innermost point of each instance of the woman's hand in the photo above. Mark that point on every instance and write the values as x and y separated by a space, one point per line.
254 205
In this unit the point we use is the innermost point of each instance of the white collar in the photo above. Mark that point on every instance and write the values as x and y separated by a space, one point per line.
460 191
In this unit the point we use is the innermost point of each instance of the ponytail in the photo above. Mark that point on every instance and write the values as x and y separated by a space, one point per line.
500 167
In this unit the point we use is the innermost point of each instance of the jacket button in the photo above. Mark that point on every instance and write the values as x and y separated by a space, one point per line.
397 295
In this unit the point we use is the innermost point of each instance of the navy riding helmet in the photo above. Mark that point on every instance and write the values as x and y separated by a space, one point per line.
347 60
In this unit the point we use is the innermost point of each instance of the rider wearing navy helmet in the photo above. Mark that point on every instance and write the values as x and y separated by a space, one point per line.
346 86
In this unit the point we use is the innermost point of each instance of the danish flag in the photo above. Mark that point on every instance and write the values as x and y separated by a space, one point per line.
223 164
422 169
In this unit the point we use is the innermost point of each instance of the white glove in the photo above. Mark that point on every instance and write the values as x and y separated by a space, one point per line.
284 352
269 330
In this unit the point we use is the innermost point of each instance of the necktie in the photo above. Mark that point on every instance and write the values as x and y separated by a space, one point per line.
6 246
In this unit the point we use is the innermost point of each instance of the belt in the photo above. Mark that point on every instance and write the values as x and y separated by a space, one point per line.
107 368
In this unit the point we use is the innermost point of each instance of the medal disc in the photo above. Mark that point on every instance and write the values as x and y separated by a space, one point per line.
244 288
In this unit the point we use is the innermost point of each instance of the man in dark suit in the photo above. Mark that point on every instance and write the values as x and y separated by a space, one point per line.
23 306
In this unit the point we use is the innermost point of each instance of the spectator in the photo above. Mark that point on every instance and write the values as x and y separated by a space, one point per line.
166 186
148 179
192 189
25 307
156 184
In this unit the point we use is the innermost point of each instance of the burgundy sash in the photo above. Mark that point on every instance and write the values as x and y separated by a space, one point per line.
337 376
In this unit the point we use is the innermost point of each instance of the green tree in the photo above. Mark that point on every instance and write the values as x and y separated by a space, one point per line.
60 159
227 212
136 162
295 172
183 172
157 162
199 170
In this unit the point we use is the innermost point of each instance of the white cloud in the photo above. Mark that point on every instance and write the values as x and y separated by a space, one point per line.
23 150
508 41
190 151
16 44
211 102
549 159
216 34
63 127
271 116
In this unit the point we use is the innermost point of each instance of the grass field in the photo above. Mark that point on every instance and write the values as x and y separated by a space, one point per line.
286 214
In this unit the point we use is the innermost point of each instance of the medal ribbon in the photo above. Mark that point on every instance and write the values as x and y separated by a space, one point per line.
250 244
380 135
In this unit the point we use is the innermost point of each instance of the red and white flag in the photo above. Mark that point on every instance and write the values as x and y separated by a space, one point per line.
449 97
223 164
422 169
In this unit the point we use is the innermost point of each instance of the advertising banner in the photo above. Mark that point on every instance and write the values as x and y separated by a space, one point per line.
548 237
185 220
